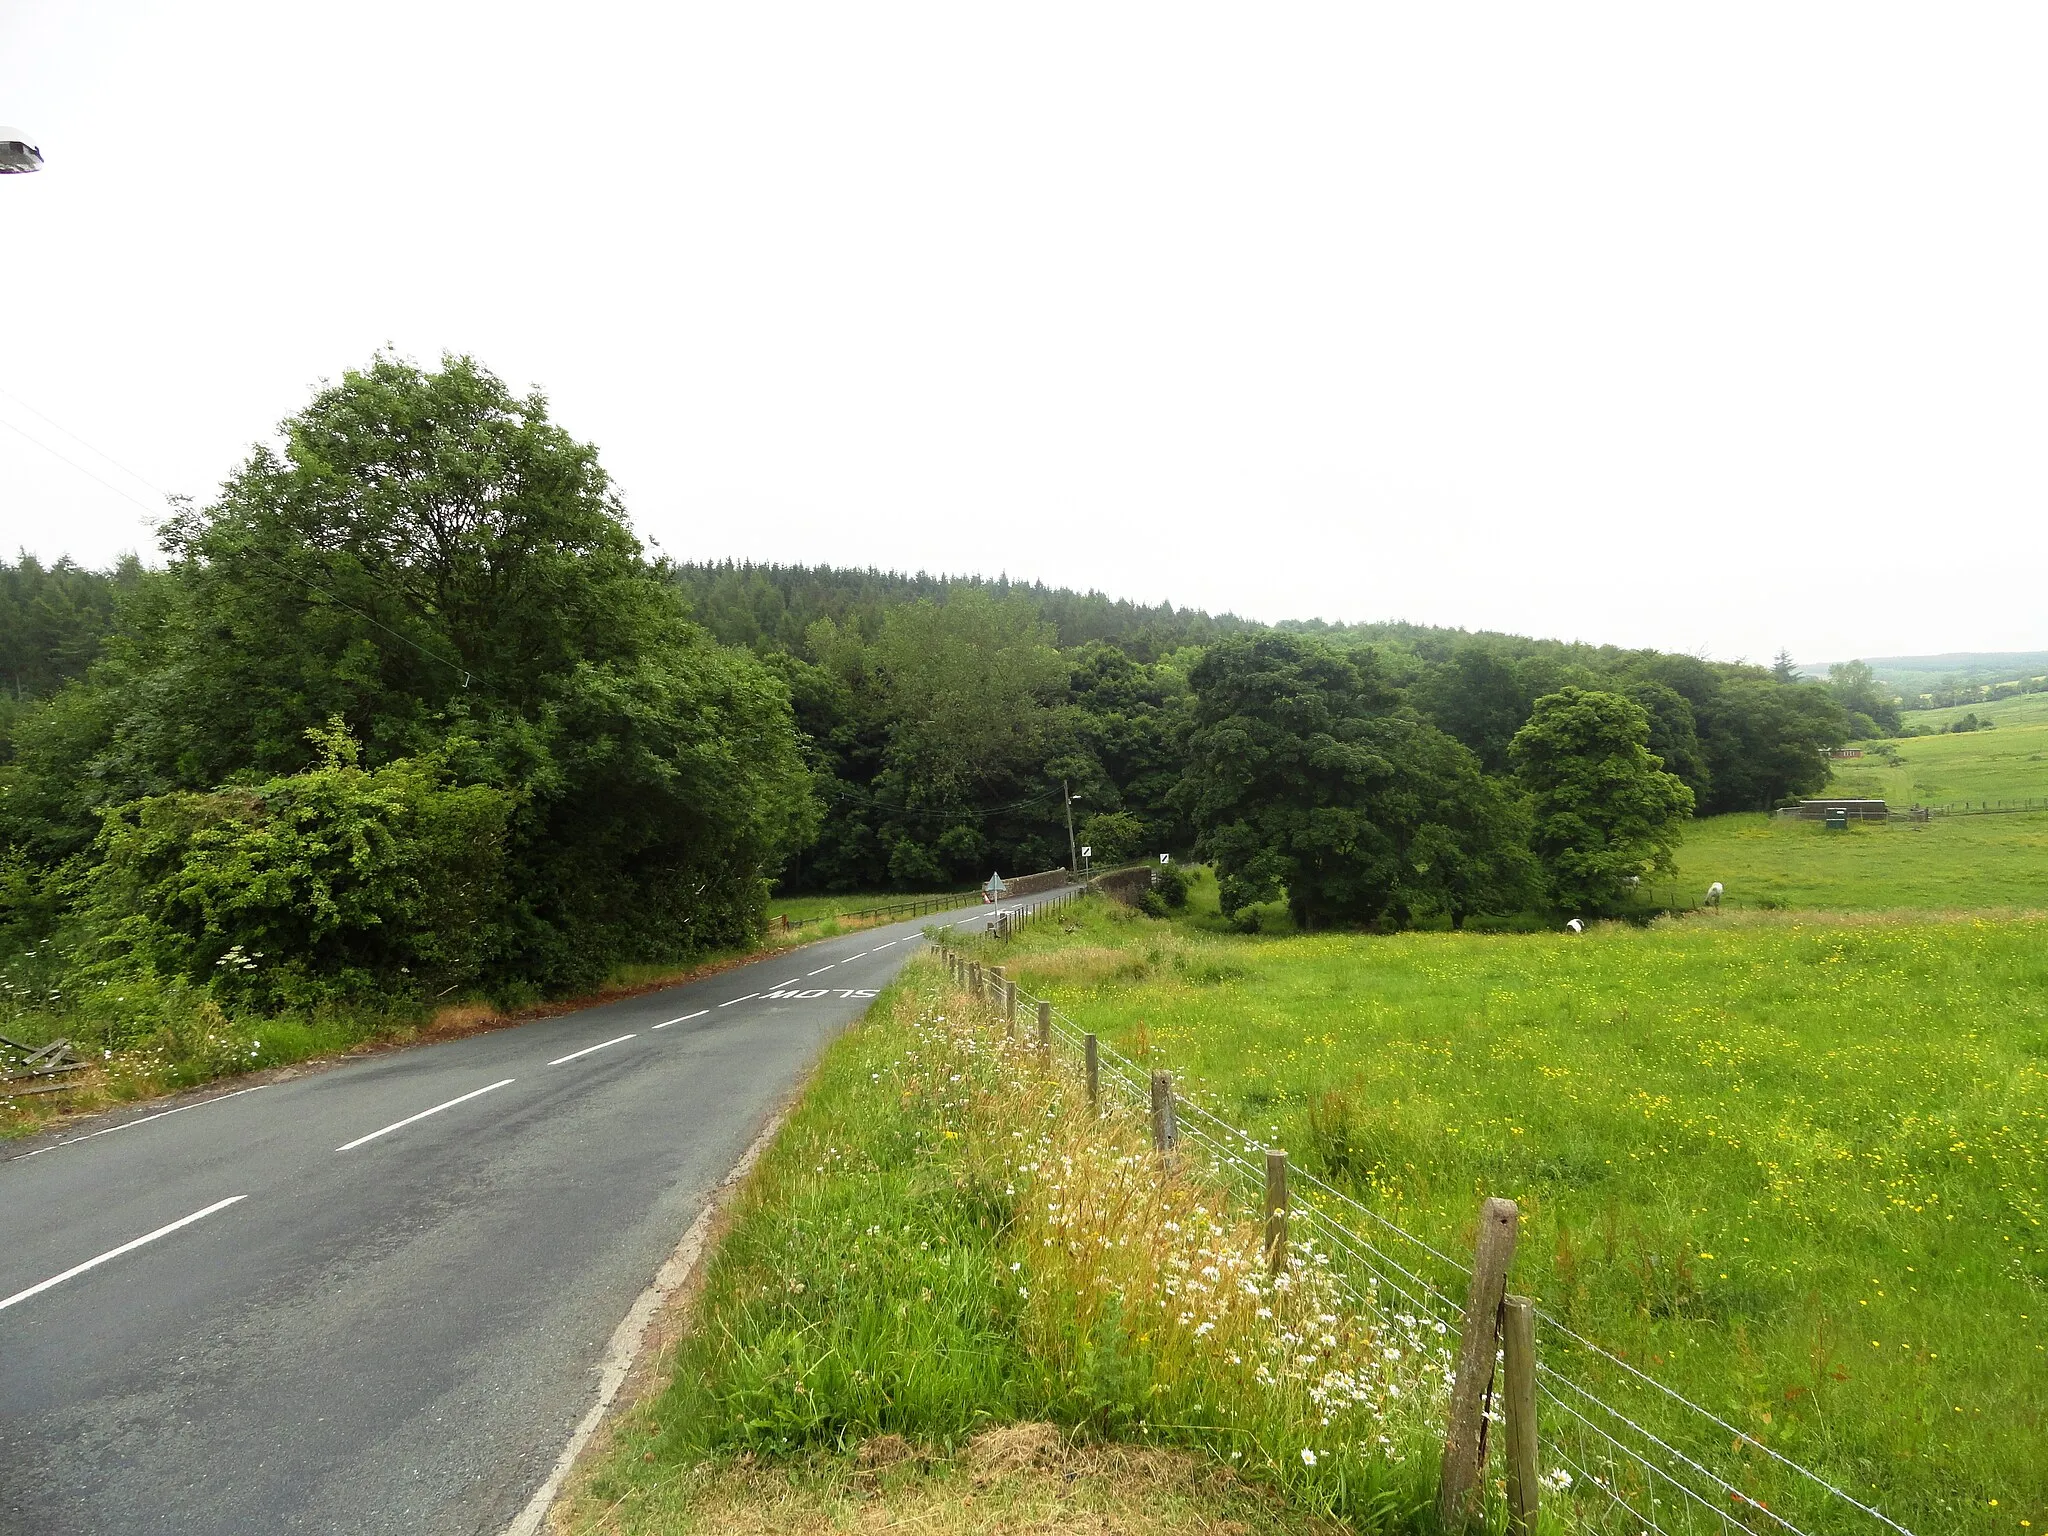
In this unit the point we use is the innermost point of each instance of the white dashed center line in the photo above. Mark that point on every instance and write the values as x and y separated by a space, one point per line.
115 1253
587 1050
751 994
664 1024
821 970
408 1120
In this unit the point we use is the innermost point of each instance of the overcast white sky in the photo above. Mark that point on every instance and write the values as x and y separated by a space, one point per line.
1719 329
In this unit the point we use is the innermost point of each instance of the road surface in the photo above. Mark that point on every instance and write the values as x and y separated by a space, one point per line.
375 1298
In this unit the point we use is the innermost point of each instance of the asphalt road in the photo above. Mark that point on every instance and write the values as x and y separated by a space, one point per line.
395 1279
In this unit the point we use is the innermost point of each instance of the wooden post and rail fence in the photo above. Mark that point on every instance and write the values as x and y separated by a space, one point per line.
1496 1340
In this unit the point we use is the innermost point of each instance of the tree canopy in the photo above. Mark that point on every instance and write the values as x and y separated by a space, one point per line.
1306 775
1606 814
439 569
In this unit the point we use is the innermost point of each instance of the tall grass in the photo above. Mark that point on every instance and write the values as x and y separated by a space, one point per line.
945 1236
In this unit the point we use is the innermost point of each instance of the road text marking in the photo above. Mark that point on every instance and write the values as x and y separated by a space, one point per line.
115 1253
664 1024
399 1125
588 1049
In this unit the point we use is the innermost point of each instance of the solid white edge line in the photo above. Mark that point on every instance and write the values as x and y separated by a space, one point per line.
631 1333
664 1024
398 1125
114 1253
131 1124
588 1049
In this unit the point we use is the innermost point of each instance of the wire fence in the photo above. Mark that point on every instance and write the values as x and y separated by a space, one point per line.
1623 1451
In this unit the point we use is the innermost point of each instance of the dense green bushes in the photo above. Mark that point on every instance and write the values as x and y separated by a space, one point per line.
332 883
407 711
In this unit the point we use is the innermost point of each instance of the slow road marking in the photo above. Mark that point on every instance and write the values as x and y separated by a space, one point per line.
399 1125
114 1253
588 1049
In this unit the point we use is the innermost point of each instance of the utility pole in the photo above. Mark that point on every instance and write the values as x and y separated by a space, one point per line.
1073 849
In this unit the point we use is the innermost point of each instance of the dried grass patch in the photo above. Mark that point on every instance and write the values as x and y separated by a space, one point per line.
1017 1480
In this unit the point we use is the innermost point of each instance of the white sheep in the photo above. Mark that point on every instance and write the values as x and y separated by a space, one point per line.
1714 894
1575 926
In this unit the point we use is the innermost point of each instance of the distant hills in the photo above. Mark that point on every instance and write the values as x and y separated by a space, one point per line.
1927 679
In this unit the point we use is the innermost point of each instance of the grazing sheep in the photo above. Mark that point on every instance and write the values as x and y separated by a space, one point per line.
1714 894
1575 926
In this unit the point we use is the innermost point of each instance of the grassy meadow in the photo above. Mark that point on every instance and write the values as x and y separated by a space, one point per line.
835 911
2021 709
2009 763
1949 864
1796 1167
1952 863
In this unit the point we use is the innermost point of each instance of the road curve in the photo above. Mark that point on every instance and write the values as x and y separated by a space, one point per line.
376 1298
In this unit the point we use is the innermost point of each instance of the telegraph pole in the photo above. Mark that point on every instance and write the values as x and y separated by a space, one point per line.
1073 849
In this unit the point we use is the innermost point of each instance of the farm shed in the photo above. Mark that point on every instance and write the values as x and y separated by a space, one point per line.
1857 810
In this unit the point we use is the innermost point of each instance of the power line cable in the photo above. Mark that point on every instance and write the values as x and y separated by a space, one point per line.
303 580
51 421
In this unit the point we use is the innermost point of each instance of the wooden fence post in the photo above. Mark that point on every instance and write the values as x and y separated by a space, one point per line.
1518 1328
1010 1007
1163 1128
1276 1209
1458 1491
1094 1073
1045 1031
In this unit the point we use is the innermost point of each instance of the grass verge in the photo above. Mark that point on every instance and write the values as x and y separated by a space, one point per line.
944 1239
1019 1480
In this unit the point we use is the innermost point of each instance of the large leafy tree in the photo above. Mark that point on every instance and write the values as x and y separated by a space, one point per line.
1305 775
435 563
1767 741
1873 708
1605 811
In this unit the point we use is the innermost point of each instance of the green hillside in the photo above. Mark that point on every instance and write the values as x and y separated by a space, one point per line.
2010 763
1914 675
2020 710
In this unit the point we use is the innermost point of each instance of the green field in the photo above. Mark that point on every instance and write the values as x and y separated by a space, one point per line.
1797 1166
2010 763
1949 864
809 908
2024 709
